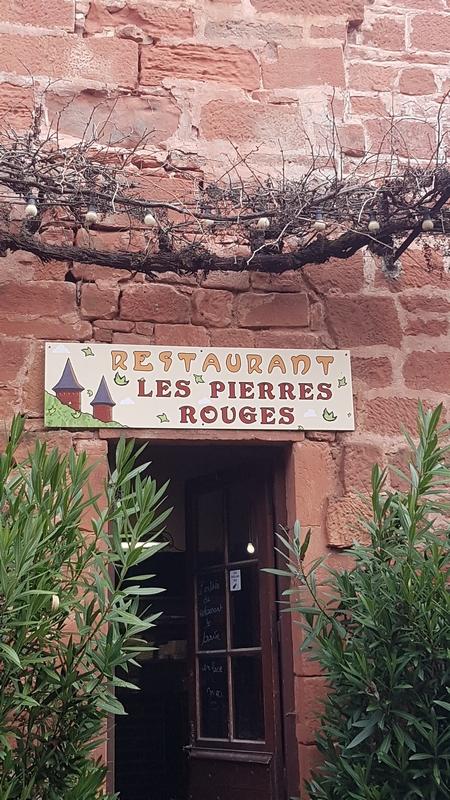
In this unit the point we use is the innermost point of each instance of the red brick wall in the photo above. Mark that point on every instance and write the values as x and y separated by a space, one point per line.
258 72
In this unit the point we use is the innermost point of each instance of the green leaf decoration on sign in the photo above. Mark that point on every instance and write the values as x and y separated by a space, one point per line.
329 416
342 382
76 414
300 428
198 379
163 418
88 351
51 411
90 392
121 380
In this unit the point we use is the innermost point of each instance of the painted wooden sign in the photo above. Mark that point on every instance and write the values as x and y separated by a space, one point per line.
102 385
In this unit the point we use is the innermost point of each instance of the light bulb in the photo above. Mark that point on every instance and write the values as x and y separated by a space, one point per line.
90 216
31 208
319 223
55 602
427 224
263 223
250 548
150 221
208 223
374 225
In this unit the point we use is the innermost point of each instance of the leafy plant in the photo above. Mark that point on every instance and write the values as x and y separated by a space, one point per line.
69 613
381 632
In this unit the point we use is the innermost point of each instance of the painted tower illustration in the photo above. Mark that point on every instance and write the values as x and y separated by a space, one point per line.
102 404
68 390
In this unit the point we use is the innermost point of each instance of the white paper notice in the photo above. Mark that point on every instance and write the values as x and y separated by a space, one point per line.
235 580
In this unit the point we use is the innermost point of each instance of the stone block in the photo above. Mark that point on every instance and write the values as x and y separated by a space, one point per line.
305 66
363 320
199 62
255 310
156 303
212 308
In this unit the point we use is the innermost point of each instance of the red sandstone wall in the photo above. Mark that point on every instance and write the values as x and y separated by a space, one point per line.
200 72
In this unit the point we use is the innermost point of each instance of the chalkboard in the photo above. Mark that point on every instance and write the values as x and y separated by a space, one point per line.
213 697
211 611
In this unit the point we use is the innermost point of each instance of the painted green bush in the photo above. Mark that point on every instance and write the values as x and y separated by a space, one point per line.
59 415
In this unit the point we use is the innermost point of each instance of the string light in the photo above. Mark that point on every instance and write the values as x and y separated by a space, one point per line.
55 603
427 223
31 208
263 223
150 221
319 222
250 548
90 216
208 223
374 225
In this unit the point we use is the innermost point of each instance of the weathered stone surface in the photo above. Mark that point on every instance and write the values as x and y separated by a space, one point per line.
99 302
250 121
352 9
426 327
287 337
189 335
375 372
428 369
305 66
417 81
14 354
272 310
370 77
99 59
16 105
212 308
114 119
357 467
310 692
154 21
198 62
387 33
428 303
232 337
51 14
336 276
363 320
430 32
155 303
343 520
390 415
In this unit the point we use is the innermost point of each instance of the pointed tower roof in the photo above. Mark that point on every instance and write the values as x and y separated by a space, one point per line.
103 396
68 381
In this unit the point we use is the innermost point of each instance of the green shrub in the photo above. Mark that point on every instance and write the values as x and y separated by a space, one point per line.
382 636
57 687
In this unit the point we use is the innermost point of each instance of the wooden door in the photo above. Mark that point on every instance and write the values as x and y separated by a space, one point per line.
235 747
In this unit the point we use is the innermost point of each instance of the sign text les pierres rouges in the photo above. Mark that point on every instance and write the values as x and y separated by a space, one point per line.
102 385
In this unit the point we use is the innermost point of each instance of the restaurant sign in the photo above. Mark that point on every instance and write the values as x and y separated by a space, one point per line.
131 386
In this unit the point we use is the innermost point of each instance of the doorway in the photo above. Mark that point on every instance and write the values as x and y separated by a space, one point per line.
207 723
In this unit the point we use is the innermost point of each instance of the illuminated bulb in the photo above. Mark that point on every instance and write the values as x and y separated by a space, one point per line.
427 224
90 216
374 225
55 602
250 548
31 208
150 221
319 223
263 223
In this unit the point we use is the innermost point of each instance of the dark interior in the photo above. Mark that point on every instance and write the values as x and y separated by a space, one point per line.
149 760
